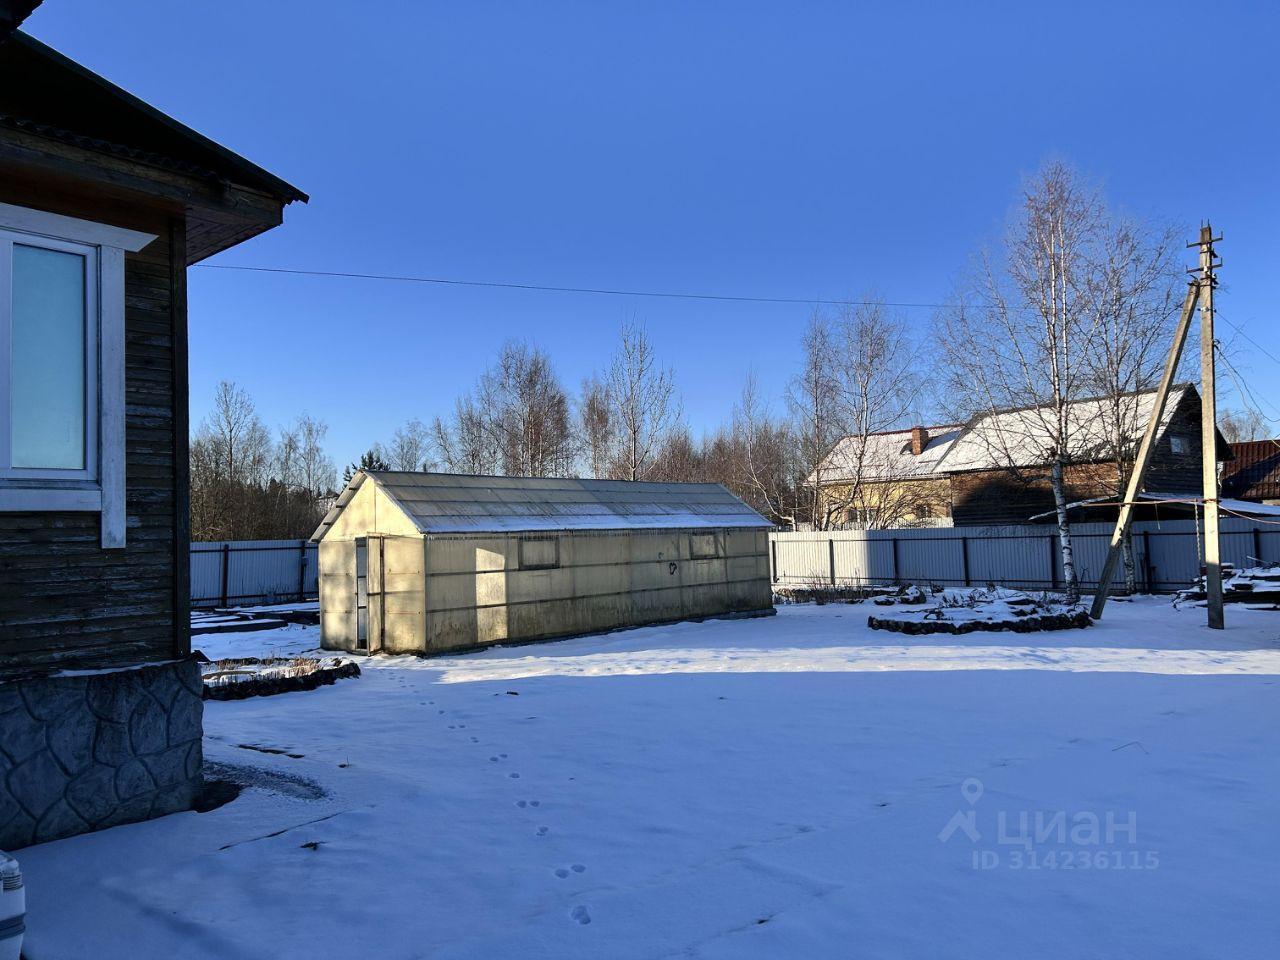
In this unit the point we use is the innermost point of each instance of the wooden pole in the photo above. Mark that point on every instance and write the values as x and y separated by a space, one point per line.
1145 448
1209 431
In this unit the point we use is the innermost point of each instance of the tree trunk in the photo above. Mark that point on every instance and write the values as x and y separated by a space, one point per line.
1126 552
1064 532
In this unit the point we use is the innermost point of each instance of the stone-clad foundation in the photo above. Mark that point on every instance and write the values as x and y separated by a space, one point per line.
80 753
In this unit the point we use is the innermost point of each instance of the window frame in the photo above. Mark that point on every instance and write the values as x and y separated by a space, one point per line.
92 336
100 486
700 535
1177 440
553 565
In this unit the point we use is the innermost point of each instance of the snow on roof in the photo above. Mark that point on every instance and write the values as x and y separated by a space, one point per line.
886 456
1022 438
456 503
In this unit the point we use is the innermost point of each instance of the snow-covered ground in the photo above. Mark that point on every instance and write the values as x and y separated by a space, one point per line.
797 786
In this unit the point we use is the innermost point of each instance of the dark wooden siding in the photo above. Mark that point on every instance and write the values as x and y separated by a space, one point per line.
65 601
1000 496
1178 472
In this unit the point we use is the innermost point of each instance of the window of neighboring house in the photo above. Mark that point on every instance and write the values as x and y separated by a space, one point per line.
62 365
1180 445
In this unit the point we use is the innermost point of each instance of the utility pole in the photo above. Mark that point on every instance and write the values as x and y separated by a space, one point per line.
1209 428
1200 292
1145 449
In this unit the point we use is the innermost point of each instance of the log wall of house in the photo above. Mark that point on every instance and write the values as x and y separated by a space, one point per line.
1000 496
64 600
997 496
1171 472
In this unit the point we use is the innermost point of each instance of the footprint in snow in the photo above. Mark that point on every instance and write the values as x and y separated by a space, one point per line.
514 776
542 831
561 872
580 914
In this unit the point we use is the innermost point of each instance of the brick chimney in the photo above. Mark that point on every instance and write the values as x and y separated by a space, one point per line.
919 440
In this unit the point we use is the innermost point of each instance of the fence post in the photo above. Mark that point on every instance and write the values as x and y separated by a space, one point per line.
302 570
1257 545
893 546
1053 566
226 570
1148 571
964 558
831 558
773 554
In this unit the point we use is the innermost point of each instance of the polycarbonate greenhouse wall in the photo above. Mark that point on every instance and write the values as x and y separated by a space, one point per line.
1167 554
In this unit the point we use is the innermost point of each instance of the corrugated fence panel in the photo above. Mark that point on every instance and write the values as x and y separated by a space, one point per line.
238 572
1167 554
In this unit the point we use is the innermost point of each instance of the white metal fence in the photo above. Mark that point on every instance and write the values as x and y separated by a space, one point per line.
1167 554
252 571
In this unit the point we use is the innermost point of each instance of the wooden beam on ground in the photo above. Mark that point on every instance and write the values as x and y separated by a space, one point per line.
1145 449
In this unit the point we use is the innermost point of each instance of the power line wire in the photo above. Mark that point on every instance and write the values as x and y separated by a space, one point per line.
553 289
1240 330
605 291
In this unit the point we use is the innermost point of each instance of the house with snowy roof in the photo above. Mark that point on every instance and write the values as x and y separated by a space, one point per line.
995 468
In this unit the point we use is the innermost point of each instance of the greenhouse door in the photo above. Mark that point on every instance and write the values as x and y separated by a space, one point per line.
375 614
362 594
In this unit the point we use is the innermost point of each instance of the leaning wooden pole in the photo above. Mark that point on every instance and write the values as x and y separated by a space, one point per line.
1209 430
1145 448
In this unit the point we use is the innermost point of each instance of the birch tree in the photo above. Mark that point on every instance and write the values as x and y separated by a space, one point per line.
1016 337
643 407
410 447
595 428
526 411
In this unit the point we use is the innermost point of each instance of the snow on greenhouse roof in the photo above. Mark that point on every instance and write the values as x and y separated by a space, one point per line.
457 503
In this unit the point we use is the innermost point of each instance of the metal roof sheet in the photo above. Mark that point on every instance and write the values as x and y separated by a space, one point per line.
456 503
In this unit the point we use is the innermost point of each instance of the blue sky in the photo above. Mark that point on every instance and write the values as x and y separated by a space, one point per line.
776 150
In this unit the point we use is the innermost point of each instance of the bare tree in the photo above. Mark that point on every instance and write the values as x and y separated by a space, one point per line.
516 423
595 430
813 398
858 380
527 413
243 486
1134 292
770 473
679 459
1016 337
643 406
1238 426
410 447
230 454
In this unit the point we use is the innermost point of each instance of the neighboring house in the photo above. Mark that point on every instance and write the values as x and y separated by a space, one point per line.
1253 473
429 562
104 202
995 469
888 479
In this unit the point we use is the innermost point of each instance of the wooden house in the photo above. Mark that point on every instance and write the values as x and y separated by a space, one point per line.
104 203
995 468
